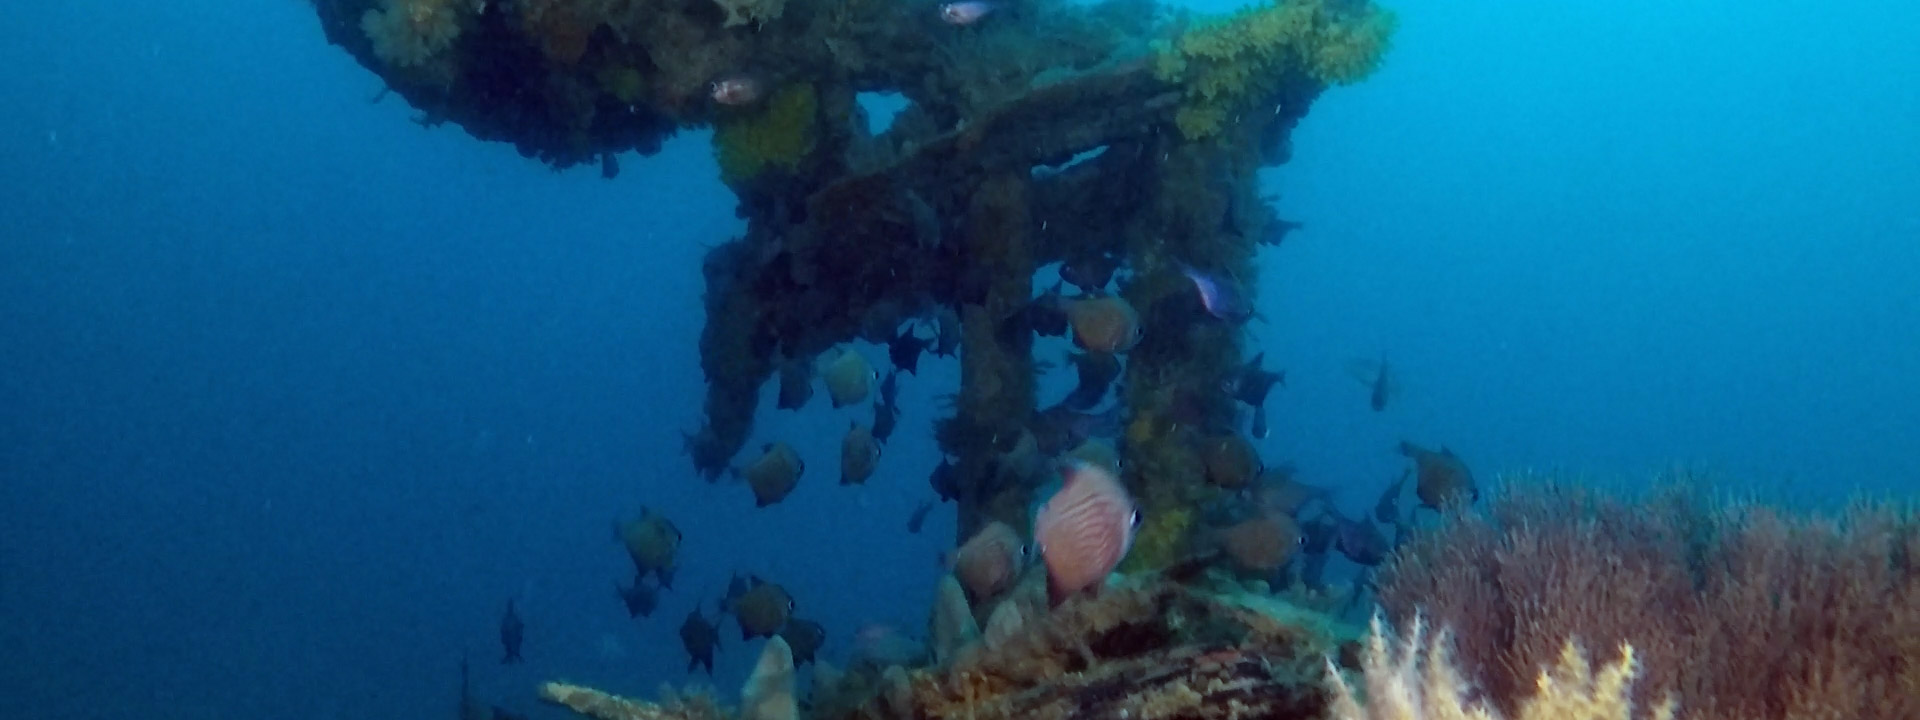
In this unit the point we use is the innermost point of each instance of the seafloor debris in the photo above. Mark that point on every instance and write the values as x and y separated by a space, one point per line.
1147 647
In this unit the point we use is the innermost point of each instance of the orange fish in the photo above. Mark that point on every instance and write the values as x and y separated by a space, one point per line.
1440 477
1277 491
1230 460
988 562
1105 324
1262 543
1084 530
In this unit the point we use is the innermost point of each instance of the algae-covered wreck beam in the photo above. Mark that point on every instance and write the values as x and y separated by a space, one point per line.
996 362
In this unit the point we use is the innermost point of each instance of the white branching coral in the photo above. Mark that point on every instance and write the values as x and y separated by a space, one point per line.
1415 679
412 33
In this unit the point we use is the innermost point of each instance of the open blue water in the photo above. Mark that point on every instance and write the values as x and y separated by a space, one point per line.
295 393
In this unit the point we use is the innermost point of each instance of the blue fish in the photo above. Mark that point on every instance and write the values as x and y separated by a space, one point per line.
1222 297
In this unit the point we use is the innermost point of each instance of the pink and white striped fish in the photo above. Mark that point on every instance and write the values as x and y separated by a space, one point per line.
1084 530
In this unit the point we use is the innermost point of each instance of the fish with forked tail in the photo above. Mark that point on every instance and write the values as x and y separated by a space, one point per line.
513 632
639 598
1379 379
796 383
886 412
1223 297
1094 373
905 348
1251 383
805 638
700 638
945 480
918 519
946 325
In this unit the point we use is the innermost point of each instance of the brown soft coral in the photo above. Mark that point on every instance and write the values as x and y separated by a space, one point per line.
1739 611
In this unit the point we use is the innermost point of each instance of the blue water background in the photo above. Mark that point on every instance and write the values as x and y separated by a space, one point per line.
294 394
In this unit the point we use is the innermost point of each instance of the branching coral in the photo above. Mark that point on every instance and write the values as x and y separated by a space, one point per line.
779 135
409 34
1231 65
1415 679
1739 611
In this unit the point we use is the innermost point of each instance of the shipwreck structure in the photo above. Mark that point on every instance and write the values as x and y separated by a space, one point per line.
1117 135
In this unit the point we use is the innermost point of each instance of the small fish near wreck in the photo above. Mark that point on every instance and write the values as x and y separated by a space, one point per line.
513 632
796 383
1222 296
918 518
652 542
1106 324
805 637
1084 530
966 12
1440 477
773 476
859 455
988 563
700 638
1379 379
762 610
639 598
848 376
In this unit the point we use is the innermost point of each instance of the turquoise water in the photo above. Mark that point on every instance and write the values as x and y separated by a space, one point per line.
294 393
